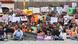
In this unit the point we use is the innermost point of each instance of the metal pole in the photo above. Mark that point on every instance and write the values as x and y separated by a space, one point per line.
24 4
17 3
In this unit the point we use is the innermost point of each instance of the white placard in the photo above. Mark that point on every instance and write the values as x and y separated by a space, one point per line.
74 4
0 7
5 18
47 37
14 19
0 10
53 19
36 10
1 19
65 7
44 9
23 18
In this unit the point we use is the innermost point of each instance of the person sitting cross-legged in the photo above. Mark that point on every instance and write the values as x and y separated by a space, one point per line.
18 34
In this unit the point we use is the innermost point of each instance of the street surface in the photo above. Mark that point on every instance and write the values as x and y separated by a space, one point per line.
39 42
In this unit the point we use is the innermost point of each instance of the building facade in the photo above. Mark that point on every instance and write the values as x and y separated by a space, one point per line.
7 3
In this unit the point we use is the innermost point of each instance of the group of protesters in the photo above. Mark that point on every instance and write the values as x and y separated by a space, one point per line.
43 26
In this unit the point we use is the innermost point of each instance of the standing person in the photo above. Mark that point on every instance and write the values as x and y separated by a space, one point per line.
18 34
1 33
24 28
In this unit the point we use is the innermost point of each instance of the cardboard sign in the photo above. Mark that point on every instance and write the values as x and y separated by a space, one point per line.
44 9
53 19
23 18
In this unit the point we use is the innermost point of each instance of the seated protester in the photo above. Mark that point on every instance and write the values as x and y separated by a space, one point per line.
40 33
8 31
32 19
38 27
55 31
24 28
29 30
68 33
18 34
66 20
1 34
44 27
61 20
36 18
34 29
73 33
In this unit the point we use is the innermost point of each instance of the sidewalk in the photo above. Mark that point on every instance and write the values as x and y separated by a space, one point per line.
40 42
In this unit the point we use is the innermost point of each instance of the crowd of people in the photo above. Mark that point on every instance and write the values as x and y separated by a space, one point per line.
63 26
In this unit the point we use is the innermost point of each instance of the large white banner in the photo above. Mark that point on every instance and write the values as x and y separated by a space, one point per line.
36 10
44 9
14 19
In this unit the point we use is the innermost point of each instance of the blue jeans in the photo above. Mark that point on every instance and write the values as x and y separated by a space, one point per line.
17 37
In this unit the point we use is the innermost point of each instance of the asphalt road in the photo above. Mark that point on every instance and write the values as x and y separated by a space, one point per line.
40 42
